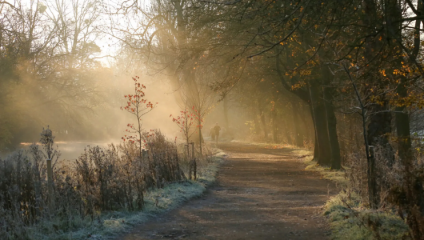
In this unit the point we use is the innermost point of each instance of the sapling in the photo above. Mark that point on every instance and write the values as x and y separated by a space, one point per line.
184 122
138 106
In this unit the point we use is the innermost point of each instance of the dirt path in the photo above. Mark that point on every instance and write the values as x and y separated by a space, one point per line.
260 194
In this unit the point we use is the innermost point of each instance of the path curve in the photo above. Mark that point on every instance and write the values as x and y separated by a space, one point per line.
260 194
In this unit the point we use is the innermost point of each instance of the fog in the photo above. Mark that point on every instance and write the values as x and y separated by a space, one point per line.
67 65
106 123
156 75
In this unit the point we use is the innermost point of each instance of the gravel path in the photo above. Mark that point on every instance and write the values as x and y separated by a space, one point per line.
260 194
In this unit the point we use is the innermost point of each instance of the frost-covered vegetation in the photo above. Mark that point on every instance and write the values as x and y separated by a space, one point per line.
348 213
299 72
350 219
104 192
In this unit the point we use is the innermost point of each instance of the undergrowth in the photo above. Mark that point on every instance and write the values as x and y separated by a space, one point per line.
348 215
156 201
106 191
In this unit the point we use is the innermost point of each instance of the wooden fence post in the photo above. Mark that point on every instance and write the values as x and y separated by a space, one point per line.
193 163
50 185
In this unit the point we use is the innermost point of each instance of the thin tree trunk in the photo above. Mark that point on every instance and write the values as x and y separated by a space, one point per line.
200 137
371 176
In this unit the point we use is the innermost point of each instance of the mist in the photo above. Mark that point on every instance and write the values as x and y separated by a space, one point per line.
67 65
110 109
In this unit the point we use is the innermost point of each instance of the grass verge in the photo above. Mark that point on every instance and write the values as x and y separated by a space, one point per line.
348 216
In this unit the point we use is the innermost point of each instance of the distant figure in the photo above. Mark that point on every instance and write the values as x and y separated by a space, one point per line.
212 133
215 131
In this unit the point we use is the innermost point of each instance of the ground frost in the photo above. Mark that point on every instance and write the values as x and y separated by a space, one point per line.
157 201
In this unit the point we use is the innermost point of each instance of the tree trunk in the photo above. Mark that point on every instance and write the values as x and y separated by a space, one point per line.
200 140
332 134
320 124
328 95
264 127
274 126
316 148
413 186
256 122
298 132
225 105
379 124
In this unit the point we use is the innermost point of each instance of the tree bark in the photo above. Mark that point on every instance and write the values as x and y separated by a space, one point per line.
264 127
256 122
316 148
379 123
413 184
321 126
274 126
328 95
296 121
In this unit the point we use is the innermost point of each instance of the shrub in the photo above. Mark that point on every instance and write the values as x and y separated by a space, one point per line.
101 179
